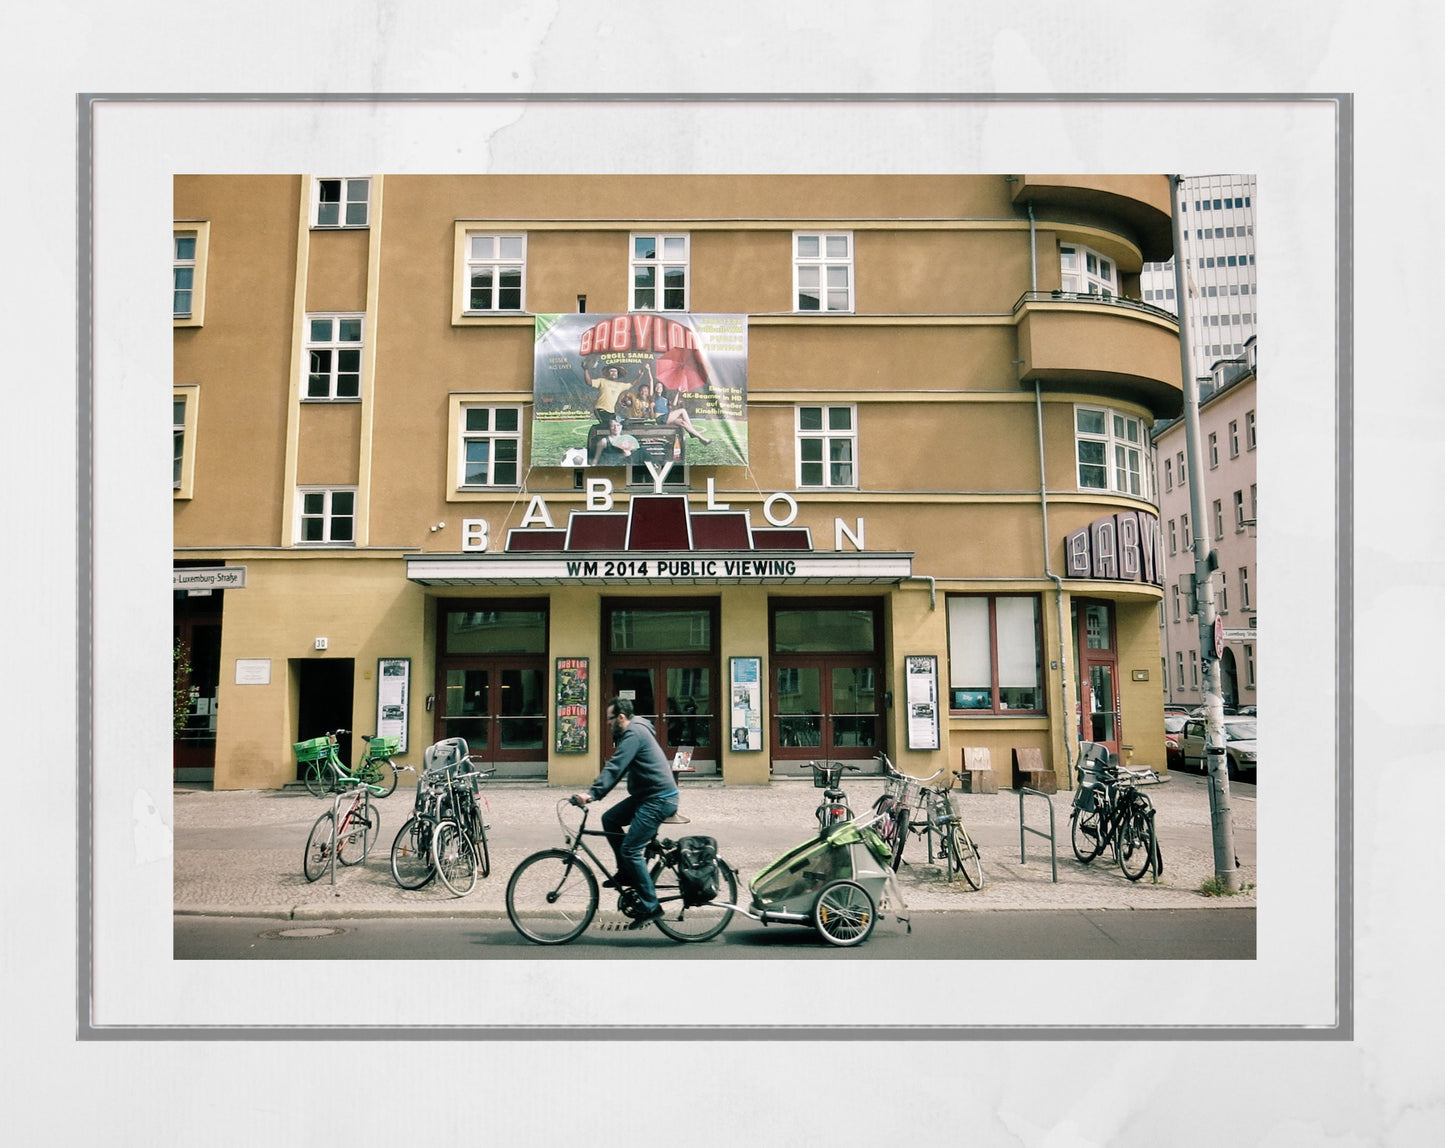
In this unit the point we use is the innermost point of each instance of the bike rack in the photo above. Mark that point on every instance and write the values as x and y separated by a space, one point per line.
1053 848
336 821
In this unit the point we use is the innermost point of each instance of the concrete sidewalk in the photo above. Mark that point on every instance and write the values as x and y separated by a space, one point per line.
238 853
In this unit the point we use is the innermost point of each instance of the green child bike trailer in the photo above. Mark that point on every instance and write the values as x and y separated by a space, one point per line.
837 882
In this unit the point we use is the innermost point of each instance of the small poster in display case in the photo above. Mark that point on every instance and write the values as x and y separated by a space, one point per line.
571 705
745 705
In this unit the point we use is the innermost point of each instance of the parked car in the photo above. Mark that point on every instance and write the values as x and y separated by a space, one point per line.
1173 727
1239 745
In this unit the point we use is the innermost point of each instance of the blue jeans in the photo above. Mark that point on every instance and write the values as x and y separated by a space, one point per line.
640 816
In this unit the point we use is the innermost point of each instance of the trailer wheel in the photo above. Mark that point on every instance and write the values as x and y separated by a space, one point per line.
844 914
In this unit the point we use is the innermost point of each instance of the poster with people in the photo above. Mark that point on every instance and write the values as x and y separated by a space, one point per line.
625 390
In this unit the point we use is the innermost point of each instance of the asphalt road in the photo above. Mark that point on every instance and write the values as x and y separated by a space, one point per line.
1064 934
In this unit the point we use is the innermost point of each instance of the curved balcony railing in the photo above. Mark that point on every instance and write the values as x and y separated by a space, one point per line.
1058 296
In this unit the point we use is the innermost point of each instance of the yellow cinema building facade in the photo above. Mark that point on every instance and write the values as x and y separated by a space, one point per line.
833 466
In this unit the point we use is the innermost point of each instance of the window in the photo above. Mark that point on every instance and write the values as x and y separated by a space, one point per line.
827 440
1110 451
496 267
1234 438
659 272
1253 503
188 273
1168 474
491 446
1244 602
639 477
1249 441
1218 518
341 203
1179 669
1193 669
823 271
1238 511
994 662
333 351
1249 667
184 400
326 516
1086 272
1184 526
1183 474
1178 604
1223 593
1173 538
1213 450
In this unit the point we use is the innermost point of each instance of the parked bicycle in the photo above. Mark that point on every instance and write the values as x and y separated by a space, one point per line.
347 838
1109 811
446 791
834 807
553 895
459 852
914 804
327 773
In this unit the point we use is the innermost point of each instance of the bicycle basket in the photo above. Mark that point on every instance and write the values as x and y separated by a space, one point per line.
383 746
317 749
826 774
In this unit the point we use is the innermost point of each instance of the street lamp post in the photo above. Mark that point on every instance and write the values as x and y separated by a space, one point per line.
1211 636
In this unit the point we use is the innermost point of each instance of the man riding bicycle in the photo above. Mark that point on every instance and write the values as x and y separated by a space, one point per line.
651 798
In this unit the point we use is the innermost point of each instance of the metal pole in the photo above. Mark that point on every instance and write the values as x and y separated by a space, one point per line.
1205 561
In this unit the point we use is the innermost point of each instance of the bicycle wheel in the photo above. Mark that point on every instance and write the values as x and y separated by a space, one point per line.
318 847
357 835
684 922
479 842
411 853
454 858
900 833
962 855
843 913
1135 843
1084 834
551 897
380 772
318 778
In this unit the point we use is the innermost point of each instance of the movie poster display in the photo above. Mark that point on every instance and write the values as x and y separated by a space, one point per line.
746 709
625 390
571 705
922 693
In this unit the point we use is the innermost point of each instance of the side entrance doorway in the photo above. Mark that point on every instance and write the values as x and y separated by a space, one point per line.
324 693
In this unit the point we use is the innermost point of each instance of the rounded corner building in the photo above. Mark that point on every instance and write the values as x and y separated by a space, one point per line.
804 466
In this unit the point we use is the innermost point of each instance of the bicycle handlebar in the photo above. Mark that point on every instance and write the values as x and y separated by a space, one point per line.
893 771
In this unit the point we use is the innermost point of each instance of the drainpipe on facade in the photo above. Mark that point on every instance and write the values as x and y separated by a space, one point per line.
1058 585
1225 864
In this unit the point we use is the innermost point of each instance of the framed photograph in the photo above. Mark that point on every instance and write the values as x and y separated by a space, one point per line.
571 724
745 705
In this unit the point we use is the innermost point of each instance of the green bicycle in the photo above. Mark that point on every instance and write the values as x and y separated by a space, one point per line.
326 773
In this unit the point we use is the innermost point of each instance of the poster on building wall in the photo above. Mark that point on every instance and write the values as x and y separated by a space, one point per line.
627 390
393 683
571 721
922 694
745 709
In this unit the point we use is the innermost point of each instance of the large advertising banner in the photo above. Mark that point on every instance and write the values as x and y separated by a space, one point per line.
621 390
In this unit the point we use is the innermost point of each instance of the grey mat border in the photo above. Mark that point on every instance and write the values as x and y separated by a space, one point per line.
1343 1028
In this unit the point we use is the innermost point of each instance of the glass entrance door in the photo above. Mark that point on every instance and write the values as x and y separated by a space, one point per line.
1096 655
826 668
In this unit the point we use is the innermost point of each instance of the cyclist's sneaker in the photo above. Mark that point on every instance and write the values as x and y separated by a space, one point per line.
647 919
617 883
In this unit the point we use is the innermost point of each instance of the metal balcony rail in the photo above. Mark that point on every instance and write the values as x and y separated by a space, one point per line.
1126 304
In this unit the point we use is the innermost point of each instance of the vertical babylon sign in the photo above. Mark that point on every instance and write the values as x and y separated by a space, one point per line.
615 390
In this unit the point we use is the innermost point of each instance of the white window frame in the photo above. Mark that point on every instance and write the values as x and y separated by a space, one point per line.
822 266
334 345
508 252
1238 511
1245 603
1084 271
1179 668
1249 667
1193 669
1218 518
200 232
1223 592
1249 435
1213 450
1123 455
659 263
327 515
353 191
184 473
492 435
1234 438
830 436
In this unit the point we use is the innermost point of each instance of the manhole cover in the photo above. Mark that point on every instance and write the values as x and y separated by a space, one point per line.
305 932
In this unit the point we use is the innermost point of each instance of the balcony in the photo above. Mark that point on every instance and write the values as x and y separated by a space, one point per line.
1140 203
1112 347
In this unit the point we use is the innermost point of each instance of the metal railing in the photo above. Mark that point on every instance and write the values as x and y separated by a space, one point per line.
1023 829
1057 296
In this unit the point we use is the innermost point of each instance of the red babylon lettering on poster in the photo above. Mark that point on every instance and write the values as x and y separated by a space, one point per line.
649 333
572 711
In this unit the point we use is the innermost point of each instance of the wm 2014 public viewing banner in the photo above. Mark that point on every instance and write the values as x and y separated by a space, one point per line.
618 390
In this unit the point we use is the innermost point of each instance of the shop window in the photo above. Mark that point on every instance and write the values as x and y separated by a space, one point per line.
184 403
326 516
189 245
1110 451
341 202
823 271
496 266
994 661
659 272
491 446
333 354
826 446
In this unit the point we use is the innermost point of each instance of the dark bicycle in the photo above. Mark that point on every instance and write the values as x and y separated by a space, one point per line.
833 809
1109 811
553 895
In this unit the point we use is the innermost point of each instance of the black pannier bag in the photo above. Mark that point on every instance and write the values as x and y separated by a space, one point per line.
697 875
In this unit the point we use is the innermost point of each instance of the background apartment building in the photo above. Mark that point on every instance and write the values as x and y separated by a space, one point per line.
898 495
